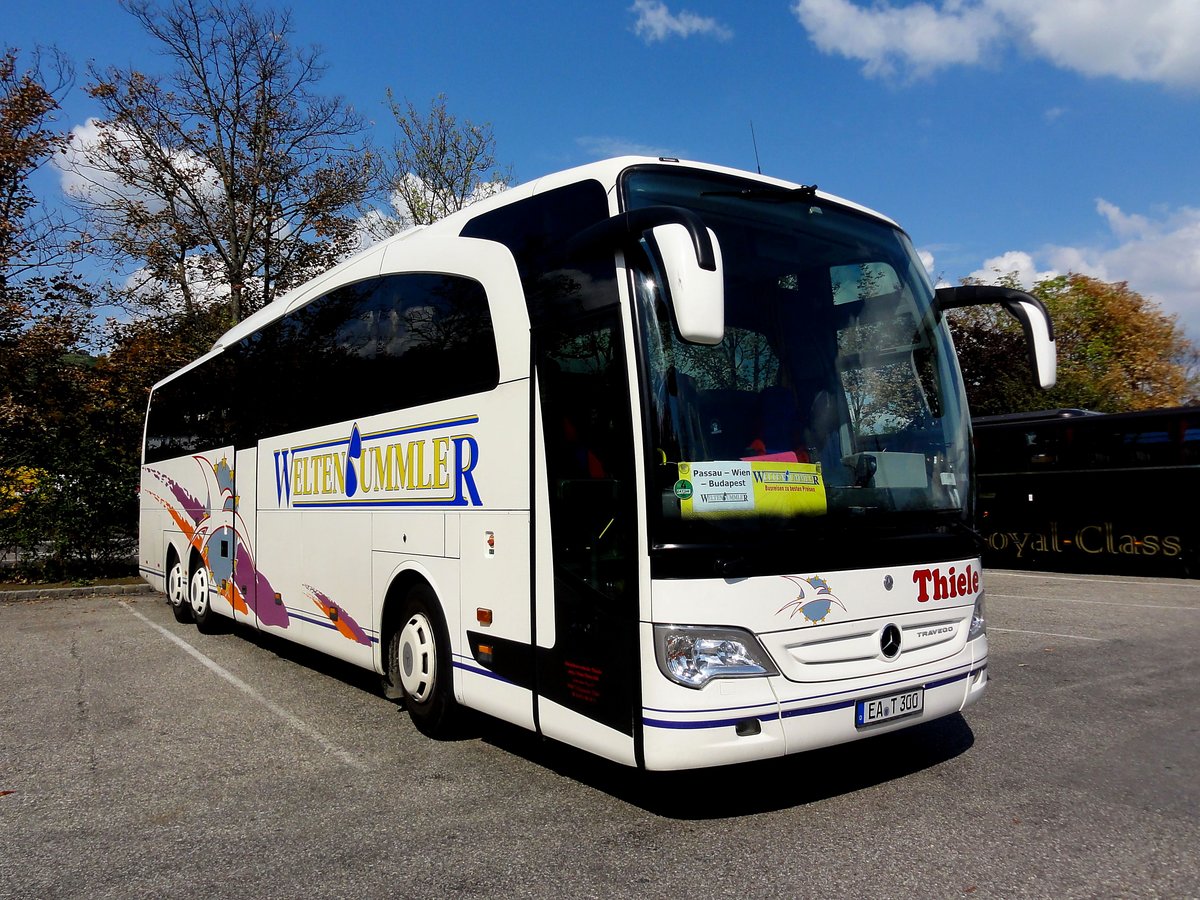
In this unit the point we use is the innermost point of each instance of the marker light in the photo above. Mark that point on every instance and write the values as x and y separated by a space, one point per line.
693 655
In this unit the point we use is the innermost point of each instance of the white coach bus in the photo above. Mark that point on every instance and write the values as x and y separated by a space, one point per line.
663 460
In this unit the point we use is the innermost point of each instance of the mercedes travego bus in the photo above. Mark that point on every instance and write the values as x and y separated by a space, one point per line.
663 460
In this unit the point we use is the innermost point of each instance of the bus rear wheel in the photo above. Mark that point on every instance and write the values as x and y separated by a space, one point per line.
177 592
419 663
201 600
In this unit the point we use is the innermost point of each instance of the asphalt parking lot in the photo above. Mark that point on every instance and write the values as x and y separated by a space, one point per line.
139 757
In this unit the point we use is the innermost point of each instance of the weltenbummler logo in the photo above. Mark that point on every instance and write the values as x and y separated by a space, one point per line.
430 464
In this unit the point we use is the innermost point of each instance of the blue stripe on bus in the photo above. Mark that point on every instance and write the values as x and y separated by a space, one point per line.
377 435
476 670
714 710
429 426
327 504
792 713
813 710
709 723
324 623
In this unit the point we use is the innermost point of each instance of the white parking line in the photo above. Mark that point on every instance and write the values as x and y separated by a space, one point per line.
1174 584
1074 637
290 718
1125 604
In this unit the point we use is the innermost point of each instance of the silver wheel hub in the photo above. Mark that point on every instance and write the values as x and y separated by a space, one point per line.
199 591
418 658
177 585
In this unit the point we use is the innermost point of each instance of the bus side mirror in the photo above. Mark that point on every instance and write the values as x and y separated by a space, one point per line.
688 257
696 292
1025 308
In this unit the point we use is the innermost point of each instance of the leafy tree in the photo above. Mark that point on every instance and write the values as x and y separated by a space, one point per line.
145 351
61 467
229 175
50 451
1117 351
31 238
438 166
71 423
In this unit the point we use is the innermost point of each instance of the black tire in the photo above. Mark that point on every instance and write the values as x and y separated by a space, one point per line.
177 592
420 664
200 600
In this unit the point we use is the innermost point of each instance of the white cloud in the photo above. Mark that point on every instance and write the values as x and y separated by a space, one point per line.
918 38
82 181
1158 256
655 22
1121 224
937 278
1005 264
94 150
1136 40
205 285
602 147
375 225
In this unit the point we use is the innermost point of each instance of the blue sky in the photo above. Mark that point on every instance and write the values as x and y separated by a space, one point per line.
1023 135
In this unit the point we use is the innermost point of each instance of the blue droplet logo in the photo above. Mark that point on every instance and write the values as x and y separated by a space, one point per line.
352 456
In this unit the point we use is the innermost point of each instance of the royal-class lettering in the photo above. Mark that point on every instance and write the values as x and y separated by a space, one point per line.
1093 539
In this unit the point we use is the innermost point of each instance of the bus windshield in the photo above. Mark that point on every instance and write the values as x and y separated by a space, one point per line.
835 392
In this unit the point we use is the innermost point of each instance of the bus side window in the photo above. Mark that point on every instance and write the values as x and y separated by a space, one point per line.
193 412
391 342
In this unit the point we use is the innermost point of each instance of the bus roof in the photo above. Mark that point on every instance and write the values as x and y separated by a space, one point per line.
368 260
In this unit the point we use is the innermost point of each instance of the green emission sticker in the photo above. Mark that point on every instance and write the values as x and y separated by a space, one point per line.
683 489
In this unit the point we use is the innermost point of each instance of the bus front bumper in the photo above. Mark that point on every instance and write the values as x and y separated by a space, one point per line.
741 720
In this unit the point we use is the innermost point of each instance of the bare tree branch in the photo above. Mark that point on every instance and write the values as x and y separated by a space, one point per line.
231 157
438 166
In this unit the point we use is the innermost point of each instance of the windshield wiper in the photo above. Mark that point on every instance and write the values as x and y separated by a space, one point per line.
806 193
970 532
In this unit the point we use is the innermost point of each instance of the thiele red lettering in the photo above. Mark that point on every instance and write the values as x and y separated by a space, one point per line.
933 585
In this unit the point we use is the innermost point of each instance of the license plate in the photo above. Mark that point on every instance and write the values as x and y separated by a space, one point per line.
893 706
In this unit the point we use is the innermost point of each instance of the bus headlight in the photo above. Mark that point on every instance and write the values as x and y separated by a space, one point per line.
978 620
692 655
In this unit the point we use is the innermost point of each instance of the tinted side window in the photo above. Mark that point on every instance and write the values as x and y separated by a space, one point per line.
193 412
367 348
536 231
377 345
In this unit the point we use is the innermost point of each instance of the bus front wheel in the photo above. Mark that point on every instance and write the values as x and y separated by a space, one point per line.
419 663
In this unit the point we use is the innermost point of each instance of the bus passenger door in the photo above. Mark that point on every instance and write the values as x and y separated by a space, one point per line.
586 580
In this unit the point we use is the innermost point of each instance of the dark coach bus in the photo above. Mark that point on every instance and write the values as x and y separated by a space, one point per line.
1076 491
